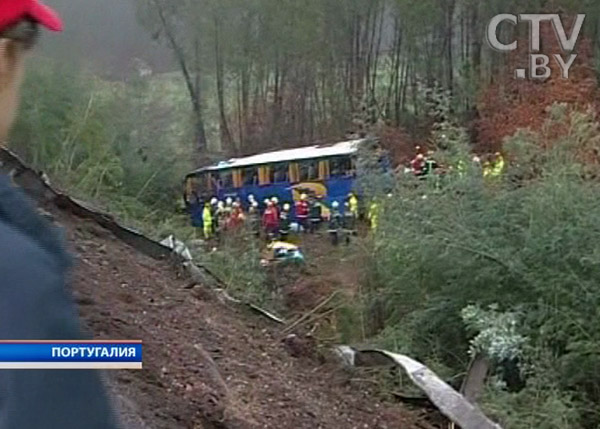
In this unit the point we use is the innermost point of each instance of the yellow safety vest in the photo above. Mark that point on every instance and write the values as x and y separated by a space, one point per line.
373 215
353 205
206 216
498 167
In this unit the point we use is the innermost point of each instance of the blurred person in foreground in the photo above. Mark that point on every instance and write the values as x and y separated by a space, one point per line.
34 301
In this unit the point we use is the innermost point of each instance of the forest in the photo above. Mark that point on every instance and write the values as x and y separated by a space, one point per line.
507 269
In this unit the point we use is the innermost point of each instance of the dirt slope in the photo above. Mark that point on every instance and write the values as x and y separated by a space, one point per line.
206 364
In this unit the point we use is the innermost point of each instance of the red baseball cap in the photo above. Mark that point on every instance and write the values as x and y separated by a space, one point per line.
13 11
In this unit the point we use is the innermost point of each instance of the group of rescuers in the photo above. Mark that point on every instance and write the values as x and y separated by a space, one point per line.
276 221
424 164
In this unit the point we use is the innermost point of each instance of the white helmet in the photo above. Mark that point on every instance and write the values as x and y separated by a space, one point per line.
229 201
275 200
254 204
267 201
286 207
214 202
335 204
221 204
251 198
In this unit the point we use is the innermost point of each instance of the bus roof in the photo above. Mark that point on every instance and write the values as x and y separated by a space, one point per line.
309 152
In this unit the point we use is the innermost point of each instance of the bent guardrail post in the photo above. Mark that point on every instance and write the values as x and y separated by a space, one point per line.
450 403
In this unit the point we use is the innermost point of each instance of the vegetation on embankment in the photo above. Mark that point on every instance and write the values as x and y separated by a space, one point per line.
524 245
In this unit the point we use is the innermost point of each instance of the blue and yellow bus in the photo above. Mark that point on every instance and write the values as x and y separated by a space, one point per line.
328 171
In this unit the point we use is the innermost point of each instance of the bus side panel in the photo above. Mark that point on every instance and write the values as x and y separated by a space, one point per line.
338 189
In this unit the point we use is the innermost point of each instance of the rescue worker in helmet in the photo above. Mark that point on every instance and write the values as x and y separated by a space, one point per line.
315 214
251 201
207 221
236 219
302 211
417 165
349 222
275 202
213 213
373 215
335 223
353 202
498 165
222 217
254 218
285 222
270 221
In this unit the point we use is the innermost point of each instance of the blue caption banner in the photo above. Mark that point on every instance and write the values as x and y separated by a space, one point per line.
31 351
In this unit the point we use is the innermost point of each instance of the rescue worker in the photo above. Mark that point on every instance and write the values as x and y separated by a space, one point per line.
270 221
236 218
251 201
213 213
353 202
35 302
349 222
302 211
222 217
487 168
254 218
498 166
229 205
373 215
207 221
275 202
315 214
285 222
335 223
417 165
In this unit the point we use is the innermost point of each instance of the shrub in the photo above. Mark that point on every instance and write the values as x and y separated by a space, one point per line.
529 248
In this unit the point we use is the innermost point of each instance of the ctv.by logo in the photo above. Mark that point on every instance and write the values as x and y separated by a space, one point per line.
538 63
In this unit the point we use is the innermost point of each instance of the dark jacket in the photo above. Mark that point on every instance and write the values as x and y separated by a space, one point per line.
35 305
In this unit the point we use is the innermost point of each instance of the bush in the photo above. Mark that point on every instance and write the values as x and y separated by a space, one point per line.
528 248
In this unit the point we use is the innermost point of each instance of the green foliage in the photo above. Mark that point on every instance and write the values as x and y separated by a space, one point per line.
120 145
540 405
529 249
237 264
497 333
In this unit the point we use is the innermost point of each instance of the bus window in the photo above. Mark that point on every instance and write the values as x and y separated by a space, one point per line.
237 178
226 179
280 172
294 172
265 175
324 172
309 170
250 176
341 167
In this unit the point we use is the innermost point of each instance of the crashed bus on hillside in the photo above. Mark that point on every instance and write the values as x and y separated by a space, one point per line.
326 171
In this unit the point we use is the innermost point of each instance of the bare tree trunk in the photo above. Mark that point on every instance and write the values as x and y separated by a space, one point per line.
451 6
193 86
227 140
